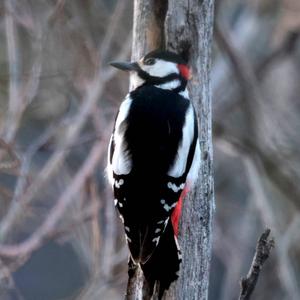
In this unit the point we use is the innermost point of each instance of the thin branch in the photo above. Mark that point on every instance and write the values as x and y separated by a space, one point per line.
35 240
30 89
255 174
14 162
16 208
233 98
86 216
93 92
252 104
263 248
95 228
113 29
287 47
244 74
15 105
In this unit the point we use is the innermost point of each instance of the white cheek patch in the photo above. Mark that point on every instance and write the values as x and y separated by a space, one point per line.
161 68
135 81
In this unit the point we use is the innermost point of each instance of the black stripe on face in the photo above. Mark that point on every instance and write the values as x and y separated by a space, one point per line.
155 80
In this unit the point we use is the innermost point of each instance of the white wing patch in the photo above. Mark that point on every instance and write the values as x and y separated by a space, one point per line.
179 165
121 163
194 170
166 206
174 187
118 183
109 170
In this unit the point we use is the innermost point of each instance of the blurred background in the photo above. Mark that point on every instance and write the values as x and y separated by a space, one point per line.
58 99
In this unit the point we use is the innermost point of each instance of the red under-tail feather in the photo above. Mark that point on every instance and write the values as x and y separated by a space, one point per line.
177 211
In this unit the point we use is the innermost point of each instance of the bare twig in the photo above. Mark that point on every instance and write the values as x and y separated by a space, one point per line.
87 215
30 88
36 239
95 229
263 248
252 105
287 47
263 203
15 105
244 73
233 98
113 28
8 149
93 91
15 207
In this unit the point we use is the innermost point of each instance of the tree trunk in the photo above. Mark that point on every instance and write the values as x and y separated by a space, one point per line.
186 28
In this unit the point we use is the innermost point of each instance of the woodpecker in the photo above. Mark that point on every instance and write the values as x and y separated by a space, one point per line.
153 160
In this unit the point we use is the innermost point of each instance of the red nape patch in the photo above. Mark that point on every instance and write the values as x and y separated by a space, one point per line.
177 211
184 71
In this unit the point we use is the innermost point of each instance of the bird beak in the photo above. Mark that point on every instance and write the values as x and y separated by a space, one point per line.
125 66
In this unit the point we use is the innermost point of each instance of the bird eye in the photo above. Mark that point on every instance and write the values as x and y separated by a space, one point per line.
149 61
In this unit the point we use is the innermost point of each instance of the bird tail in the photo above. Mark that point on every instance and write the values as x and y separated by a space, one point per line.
163 266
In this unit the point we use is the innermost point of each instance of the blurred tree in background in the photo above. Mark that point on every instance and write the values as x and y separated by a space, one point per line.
60 237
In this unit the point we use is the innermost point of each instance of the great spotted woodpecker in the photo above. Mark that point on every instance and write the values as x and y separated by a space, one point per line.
154 157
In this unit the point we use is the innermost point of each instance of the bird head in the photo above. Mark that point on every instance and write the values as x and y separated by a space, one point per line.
161 68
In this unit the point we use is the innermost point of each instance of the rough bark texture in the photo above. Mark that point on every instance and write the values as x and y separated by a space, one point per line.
262 252
186 27
137 287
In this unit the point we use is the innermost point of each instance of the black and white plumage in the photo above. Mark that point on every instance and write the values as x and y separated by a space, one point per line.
154 157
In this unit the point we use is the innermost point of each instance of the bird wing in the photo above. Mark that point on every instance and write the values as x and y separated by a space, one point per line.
152 150
118 161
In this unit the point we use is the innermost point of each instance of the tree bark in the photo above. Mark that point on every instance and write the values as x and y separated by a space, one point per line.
186 27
